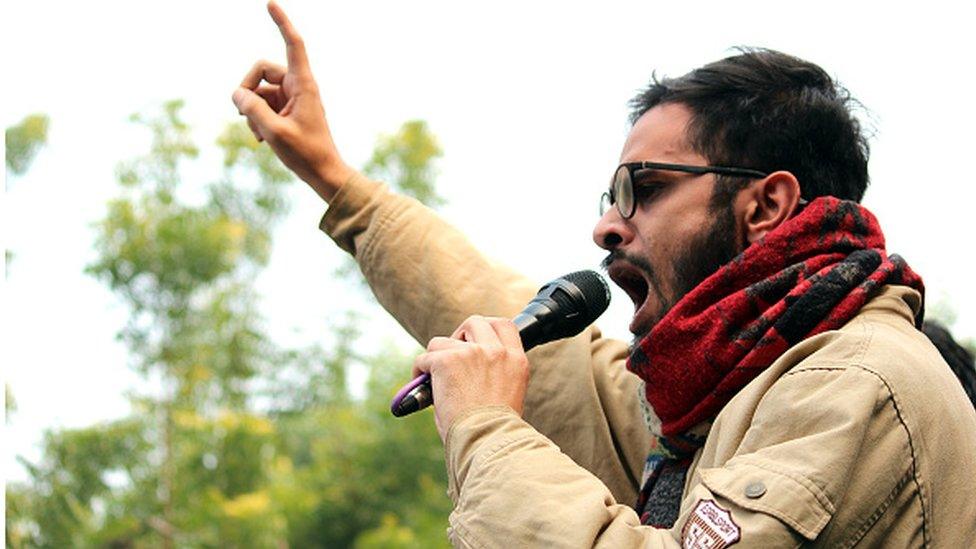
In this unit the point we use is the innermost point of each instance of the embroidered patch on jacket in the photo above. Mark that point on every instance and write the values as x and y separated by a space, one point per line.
709 527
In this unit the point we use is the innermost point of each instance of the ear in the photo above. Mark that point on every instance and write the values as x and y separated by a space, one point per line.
767 203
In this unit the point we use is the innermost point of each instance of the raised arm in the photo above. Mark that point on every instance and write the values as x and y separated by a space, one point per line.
430 278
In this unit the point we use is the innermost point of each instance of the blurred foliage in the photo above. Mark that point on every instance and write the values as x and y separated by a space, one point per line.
243 443
405 160
9 404
24 140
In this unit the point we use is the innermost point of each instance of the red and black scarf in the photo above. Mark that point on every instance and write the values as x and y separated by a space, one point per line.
812 274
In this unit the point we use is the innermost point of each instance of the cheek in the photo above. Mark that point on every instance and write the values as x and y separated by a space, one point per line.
662 242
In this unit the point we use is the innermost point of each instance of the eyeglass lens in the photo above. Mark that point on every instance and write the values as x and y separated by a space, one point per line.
623 192
604 203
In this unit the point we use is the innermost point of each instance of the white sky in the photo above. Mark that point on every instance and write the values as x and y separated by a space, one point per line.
528 100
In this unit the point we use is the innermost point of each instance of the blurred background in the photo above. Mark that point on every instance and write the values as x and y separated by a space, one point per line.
189 362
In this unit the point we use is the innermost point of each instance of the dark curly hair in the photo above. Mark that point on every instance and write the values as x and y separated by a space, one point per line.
770 111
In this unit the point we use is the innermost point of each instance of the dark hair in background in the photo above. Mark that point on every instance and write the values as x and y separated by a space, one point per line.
769 111
958 358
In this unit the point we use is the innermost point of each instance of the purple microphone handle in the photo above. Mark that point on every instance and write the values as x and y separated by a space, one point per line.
414 396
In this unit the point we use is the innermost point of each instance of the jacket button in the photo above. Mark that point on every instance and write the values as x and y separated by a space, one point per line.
755 490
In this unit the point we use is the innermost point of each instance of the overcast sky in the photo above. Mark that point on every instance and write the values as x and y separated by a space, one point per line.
528 100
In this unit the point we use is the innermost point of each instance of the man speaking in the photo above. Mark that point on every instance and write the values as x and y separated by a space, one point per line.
777 392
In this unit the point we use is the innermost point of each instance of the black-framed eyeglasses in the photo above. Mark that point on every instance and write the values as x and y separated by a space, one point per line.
621 192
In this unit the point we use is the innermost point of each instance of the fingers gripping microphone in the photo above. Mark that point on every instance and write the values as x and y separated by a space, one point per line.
562 308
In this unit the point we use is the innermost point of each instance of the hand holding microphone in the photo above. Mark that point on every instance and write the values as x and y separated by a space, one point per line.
483 363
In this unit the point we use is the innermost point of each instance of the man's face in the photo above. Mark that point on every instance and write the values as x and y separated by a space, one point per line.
675 239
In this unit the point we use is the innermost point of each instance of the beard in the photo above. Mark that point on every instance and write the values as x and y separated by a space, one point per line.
704 254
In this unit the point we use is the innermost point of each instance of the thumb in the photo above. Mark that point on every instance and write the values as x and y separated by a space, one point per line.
256 109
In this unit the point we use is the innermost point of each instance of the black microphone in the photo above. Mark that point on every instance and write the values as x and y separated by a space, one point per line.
562 308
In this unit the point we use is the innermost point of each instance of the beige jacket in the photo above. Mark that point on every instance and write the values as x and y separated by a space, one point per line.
860 436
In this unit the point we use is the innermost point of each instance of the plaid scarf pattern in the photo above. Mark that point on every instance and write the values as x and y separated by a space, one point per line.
812 274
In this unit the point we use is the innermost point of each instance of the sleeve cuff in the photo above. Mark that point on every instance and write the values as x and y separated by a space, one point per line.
348 212
476 434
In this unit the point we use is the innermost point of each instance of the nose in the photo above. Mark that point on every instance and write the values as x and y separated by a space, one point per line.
612 231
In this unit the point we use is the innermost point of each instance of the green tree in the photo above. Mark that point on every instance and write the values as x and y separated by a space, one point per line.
372 480
353 466
186 272
184 266
406 159
24 140
244 444
9 404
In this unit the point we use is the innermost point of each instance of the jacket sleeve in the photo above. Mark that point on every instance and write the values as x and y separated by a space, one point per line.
513 487
430 278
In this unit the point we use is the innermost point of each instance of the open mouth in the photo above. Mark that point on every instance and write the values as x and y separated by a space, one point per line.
634 282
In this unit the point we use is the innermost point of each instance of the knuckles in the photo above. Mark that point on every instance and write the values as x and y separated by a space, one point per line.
499 322
472 354
277 133
438 342
495 357
471 321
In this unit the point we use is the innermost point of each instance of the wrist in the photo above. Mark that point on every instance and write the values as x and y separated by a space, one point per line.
328 179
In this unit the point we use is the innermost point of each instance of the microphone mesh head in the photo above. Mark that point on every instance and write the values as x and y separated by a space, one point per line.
595 291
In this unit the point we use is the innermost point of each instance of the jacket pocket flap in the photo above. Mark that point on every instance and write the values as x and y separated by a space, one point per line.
791 498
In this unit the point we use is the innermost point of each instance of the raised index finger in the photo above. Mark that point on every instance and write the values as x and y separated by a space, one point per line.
294 45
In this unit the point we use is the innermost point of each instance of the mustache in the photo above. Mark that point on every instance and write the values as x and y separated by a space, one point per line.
639 262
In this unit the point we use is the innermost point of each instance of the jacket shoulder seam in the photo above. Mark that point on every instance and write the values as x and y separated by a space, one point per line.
911 447
912 472
857 362
866 526
864 341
